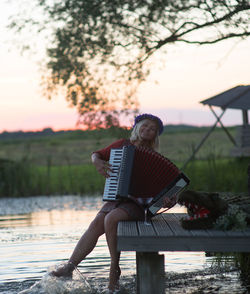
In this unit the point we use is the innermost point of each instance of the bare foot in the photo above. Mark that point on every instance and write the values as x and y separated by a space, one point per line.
114 276
64 270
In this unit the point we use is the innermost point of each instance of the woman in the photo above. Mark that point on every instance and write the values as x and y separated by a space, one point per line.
146 130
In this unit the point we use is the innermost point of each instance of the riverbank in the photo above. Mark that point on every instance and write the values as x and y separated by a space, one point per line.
207 281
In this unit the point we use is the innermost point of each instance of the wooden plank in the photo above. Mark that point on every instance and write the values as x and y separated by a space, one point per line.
191 243
216 233
242 234
140 244
145 230
161 227
127 228
228 234
150 239
175 225
196 233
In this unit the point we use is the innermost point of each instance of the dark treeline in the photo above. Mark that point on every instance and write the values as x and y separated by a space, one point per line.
28 134
64 134
49 132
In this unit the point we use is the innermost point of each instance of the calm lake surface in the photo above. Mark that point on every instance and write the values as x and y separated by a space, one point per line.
38 233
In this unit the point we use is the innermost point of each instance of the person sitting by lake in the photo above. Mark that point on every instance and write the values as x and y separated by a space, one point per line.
145 133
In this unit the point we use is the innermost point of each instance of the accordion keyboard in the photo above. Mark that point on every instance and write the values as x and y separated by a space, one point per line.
111 184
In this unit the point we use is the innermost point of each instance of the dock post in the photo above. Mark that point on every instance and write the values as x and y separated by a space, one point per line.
150 273
248 179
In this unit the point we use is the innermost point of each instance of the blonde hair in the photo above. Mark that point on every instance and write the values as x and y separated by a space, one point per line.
135 135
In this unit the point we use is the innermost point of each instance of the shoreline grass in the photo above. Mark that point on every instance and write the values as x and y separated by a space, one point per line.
23 178
219 175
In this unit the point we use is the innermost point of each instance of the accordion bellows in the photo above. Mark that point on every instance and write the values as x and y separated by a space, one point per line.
151 173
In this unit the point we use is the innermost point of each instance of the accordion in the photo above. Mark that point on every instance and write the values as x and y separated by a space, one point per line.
139 172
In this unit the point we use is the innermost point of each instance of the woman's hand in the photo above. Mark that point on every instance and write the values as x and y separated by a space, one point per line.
103 167
169 202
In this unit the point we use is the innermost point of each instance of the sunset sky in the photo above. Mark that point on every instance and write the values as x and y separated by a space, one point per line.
178 82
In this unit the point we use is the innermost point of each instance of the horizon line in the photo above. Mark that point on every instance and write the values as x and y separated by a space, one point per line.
84 129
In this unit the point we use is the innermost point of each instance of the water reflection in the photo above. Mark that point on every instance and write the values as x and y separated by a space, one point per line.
31 242
60 217
42 231
47 218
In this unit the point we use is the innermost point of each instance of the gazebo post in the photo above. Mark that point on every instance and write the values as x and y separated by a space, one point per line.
245 117
204 139
225 129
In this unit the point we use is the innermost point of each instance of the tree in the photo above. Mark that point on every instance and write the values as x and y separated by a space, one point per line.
101 50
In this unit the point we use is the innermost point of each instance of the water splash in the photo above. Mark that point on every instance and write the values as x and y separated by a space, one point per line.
77 284
49 284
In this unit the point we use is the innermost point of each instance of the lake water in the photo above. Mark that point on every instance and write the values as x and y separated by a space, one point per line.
38 233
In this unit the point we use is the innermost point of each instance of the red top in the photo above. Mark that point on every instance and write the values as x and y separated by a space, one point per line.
105 152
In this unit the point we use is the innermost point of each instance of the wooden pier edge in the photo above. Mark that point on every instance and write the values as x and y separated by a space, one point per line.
147 241
166 234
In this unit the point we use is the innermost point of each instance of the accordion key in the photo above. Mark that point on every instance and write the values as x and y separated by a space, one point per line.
117 185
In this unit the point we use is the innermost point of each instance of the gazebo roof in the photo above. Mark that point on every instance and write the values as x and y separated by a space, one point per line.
237 98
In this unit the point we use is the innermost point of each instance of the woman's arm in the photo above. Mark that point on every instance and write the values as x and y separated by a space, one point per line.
100 157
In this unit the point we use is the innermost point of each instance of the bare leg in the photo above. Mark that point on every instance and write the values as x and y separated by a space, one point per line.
88 240
84 246
110 224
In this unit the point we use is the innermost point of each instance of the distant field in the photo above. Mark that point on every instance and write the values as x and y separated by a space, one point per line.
76 148
60 163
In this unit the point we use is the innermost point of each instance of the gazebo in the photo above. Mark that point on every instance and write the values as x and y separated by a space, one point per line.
235 98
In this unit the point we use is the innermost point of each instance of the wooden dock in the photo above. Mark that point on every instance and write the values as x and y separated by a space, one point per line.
166 234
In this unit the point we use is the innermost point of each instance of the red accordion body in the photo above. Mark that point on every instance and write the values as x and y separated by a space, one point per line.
151 173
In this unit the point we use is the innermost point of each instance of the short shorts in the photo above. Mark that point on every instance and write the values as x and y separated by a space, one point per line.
134 210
